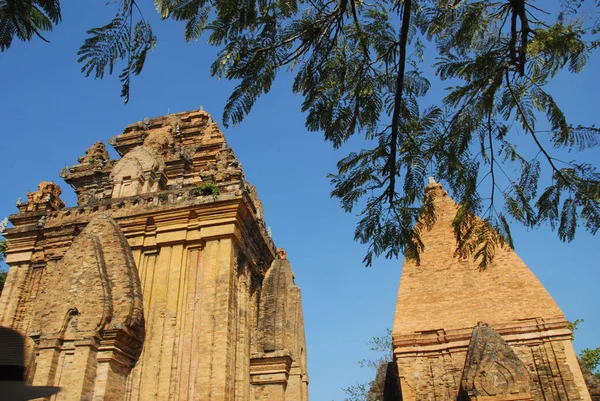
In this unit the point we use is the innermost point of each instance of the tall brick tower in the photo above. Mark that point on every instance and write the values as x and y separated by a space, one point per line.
162 283
489 335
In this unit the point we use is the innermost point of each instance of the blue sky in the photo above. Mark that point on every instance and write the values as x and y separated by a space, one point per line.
50 114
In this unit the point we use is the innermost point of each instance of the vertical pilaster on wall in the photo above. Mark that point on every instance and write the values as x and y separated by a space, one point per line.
157 270
71 366
243 276
77 378
222 363
21 294
191 331
46 365
13 291
170 259
111 376
191 318
146 269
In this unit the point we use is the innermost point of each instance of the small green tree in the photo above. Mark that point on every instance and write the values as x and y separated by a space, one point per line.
590 358
382 349
573 326
3 249
208 188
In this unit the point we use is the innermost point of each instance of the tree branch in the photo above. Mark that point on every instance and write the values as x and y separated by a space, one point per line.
531 131
357 26
489 123
398 97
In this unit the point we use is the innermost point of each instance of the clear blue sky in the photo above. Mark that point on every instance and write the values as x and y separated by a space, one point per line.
50 114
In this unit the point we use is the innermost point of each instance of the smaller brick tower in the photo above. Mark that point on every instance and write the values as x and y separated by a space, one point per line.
441 346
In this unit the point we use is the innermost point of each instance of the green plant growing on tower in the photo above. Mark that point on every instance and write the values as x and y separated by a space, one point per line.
383 352
208 188
3 249
590 358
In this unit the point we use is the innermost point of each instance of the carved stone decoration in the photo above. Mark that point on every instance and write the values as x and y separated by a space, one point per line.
493 370
64 172
139 171
3 224
281 254
47 197
96 153
91 325
159 142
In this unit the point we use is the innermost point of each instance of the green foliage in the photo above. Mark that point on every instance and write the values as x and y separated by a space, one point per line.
208 188
360 69
382 348
2 280
3 249
163 197
590 358
123 38
574 326
357 392
26 19
383 352
357 66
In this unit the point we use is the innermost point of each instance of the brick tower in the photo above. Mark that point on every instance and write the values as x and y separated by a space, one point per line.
162 283
489 335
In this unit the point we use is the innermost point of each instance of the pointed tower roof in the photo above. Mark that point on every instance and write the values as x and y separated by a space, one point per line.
445 293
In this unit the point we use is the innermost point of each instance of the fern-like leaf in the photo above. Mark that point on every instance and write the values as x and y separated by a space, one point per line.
105 46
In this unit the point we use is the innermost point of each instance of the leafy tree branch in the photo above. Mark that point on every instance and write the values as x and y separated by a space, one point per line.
361 69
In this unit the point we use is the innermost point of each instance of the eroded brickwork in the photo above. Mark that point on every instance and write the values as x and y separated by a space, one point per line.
279 359
386 385
592 381
150 288
441 300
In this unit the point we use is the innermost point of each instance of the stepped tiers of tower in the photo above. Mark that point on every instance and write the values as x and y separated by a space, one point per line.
162 283
462 333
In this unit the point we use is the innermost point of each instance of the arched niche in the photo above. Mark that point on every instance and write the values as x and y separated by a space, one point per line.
139 171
